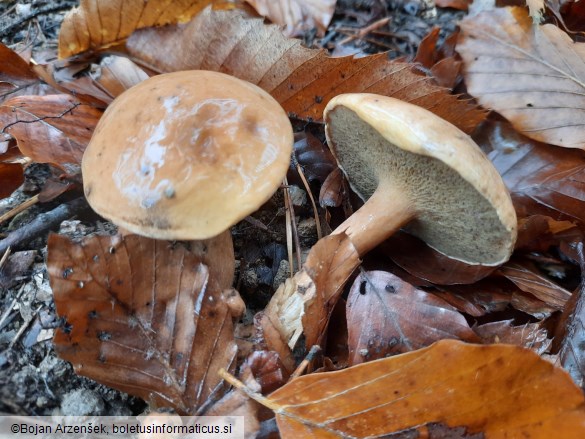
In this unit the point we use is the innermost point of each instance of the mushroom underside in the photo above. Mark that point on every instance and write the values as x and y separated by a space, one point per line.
452 216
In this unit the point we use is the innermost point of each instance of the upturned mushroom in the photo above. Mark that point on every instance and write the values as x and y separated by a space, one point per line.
418 172
186 155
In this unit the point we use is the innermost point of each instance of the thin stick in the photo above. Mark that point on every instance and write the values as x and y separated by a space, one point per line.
315 212
22 206
290 210
5 257
228 377
43 223
289 249
308 359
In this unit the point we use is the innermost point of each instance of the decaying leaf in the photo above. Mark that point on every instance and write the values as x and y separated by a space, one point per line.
450 389
297 15
533 75
100 24
49 129
387 316
302 80
304 303
141 316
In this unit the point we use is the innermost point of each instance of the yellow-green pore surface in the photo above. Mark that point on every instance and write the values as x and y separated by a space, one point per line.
185 155
462 207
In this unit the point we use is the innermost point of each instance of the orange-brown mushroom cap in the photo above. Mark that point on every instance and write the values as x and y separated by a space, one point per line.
186 155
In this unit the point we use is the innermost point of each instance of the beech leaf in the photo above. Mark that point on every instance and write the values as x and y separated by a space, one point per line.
386 316
100 24
49 129
302 80
450 389
528 280
542 179
143 317
533 75
297 15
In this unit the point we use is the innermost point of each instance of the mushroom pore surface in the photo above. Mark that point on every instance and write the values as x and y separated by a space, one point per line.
186 155
451 215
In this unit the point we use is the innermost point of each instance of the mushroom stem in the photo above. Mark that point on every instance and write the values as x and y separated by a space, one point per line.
375 221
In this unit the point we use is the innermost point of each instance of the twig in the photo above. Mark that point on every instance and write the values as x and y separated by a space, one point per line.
230 379
24 327
308 359
43 223
288 226
52 7
361 33
4 316
310 194
5 257
23 206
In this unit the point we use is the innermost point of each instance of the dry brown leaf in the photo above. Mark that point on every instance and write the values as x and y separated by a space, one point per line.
540 232
118 74
542 179
49 129
304 303
492 294
525 276
420 260
303 80
100 24
530 335
156 330
11 177
387 316
450 389
298 16
313 156
571 331
532 75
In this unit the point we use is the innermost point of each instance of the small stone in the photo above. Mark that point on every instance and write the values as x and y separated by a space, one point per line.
82 402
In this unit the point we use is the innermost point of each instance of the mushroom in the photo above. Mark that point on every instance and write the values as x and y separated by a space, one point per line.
186 155
418 172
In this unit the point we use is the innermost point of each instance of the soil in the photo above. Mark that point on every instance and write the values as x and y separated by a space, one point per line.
33 380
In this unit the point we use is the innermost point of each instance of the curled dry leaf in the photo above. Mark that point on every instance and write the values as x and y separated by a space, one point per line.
302 80
313 156
450 389
100 24
297 15
542 179
571 330
156 330
49 129
11 177
118 74
304 303
533 75
387 316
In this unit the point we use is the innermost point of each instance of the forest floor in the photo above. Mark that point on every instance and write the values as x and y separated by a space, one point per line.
33 380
